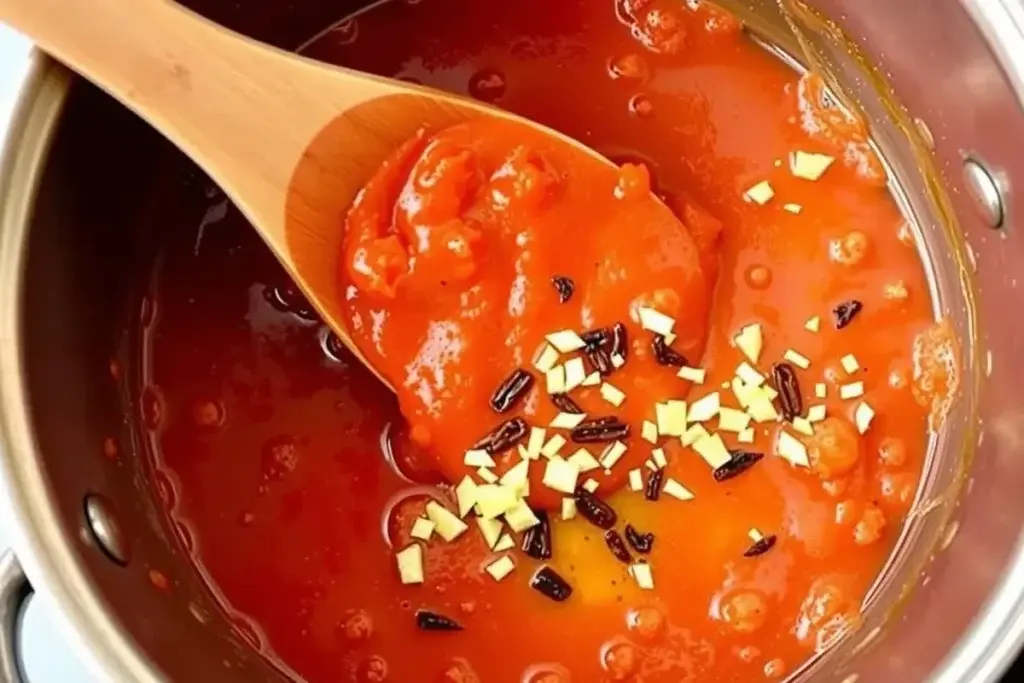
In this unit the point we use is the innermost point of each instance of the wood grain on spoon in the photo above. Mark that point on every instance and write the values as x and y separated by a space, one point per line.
290 140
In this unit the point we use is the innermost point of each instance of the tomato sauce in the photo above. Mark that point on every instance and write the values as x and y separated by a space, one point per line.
297 476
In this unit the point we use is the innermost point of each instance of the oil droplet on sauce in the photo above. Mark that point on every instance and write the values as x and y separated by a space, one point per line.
641 106
620 659
458 670
164 489
758 276
110 448
357 626
208 414
546 673
646 623
373 669
632 67
487 85
152 408
159 580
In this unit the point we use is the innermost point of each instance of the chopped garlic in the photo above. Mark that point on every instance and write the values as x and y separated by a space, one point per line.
755 535
658 456
521 517
491 530
506 542
852 390
641 573
750 376
478 458
704 408
553 445
760 406
566 341
636 480
743 391
583 461
732 420
816 413
591 485
813 324
517 477
670 417
797 359
746 436
793 208
803 426
649 464
808 165
547 359
448 526
612 454
849 363
561 475
592 380
554 380
676 490
656 321
422 529
535 442
820 390
567 420
863 416
465 494
617 360
575 373
695 375
750 341
649 432
612 394
760 193
493 500
568 509
668 338
410 564
693 434
501 567
486 475
712 450
792 449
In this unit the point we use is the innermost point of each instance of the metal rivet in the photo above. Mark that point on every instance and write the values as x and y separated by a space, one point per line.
105 526
984 190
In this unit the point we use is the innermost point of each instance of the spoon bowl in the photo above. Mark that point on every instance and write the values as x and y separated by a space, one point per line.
290 140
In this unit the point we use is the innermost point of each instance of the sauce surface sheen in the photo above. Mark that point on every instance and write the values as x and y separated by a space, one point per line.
290 466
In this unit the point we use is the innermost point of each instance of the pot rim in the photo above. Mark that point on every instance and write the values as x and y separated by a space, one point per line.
984 651
44 553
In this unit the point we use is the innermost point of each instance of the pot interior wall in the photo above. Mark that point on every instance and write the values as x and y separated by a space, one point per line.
111 188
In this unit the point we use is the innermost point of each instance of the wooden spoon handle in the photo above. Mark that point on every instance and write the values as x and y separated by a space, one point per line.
242 110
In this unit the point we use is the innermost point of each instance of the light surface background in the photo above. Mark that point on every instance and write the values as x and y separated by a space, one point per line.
47 657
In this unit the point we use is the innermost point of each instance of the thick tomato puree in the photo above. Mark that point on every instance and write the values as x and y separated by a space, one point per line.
294 478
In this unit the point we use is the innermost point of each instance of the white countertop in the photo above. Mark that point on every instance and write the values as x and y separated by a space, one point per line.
47 659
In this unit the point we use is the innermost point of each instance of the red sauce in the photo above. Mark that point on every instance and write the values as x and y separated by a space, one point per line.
270 438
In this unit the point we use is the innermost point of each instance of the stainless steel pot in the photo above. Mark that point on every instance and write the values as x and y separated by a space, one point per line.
83 200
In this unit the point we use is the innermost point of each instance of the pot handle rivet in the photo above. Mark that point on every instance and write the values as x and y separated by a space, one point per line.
984 189
14 592
104 526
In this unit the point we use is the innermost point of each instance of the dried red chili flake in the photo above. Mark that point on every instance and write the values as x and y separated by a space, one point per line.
564 286
512 389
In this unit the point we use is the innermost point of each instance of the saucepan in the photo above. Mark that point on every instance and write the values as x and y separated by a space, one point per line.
87 192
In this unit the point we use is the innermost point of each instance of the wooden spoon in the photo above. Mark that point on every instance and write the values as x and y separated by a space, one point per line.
290 140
